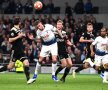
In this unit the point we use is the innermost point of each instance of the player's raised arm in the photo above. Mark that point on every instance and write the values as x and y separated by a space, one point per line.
84 40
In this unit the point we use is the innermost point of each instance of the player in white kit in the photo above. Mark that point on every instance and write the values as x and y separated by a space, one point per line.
101 53
45 35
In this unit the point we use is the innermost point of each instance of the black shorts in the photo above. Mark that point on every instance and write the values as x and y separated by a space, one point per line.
18 55
89 56
63 55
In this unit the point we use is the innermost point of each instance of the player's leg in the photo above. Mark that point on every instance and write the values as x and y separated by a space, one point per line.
41 57
62 66
67 69
54 53
26 68
11 63
7 67
83 65
105 78
105 64
54 66
80 67
38 64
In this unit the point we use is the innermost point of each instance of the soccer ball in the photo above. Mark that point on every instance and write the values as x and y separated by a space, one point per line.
38 5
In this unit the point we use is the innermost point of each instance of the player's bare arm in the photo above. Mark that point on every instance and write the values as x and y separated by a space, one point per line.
20 35
92 51
84 40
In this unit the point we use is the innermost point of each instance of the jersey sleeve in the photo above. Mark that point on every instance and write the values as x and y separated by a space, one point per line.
12 34
52 28
83 35
95 41
38 34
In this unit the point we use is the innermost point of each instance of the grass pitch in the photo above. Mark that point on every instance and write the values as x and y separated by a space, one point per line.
14 81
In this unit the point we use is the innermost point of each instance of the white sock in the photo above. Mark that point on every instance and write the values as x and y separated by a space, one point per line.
54 68
37 68
91 63
105 76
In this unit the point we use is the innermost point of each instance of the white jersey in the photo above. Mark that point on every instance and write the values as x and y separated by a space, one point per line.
101 43
47 35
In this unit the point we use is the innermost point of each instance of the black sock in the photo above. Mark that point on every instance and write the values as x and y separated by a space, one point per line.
79 68
102 69
66 72
106 70
58 70
27 72
4 68
94 67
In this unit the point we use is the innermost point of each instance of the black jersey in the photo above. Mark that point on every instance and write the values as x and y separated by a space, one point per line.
88 36
17 44
61 43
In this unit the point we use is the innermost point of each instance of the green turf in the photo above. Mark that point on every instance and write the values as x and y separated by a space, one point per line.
13 81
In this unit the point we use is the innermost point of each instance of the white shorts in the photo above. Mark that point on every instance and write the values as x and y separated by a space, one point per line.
98 60
105 59
46 50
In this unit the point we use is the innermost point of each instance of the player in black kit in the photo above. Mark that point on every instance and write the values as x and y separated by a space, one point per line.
15 38
62 52
87 38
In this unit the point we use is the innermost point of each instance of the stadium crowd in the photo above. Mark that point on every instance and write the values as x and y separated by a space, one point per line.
18 7
73 27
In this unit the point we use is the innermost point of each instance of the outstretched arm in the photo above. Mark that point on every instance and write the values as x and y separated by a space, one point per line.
20 35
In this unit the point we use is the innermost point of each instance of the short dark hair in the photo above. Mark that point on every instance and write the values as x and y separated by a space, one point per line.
89 24
36 22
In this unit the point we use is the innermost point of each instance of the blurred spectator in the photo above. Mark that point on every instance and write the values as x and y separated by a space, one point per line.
88 7
32 27
35 51
70 52
83 55
68 9
1 57
28 7
29 55
12 7
78 56
4 45
1 1
66 19
19 7
50 7
79 7
4 7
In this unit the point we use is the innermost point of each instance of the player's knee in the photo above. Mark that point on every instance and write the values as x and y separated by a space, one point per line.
26 63
64 65
70 65
9 67
106 66
86 65
97 67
